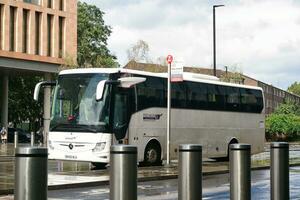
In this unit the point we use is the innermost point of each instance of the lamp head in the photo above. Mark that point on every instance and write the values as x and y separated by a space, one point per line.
215 6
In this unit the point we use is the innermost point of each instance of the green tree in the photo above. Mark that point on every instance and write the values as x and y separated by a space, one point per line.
294 88
92 35
139 52
233 75
288 108
283 126
284 123
22 107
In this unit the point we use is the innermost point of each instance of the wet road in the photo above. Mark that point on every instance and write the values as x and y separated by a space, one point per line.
214 187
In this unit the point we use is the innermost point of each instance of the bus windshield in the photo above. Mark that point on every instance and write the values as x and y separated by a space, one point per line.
75 107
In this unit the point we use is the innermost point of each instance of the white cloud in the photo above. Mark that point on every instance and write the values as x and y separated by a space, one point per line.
261 37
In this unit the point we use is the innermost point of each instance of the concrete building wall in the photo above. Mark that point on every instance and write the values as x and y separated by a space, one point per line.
38 16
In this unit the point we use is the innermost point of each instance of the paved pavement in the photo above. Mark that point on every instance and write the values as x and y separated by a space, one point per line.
78 174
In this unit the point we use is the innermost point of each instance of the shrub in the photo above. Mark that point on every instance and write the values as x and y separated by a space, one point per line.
282 126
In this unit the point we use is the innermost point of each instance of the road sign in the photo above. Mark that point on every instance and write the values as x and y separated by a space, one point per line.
169 59
177 71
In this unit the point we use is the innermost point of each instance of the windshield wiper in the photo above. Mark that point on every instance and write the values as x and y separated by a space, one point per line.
60 125
86 128
73 127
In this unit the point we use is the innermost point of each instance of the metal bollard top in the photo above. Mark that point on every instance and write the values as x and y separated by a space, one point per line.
31 152
123 149
190 147
279 145
240 146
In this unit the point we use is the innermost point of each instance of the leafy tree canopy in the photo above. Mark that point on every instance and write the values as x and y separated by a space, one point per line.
288 108
139 52
92 38
295 88
22 107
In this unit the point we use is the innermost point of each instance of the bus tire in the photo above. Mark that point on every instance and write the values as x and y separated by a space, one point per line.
99 165
152 155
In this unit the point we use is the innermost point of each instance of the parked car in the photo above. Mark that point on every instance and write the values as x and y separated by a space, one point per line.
23 136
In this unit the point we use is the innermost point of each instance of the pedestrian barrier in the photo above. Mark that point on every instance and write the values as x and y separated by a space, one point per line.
123 172
280 171
31 173
240 171
190 172
16 139
32 139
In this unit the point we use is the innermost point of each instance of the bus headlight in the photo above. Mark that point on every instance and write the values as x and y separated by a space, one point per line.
99 146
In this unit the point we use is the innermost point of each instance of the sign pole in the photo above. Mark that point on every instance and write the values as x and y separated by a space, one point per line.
169 60
169 115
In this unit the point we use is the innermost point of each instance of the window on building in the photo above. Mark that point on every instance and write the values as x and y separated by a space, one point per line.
61 36
1 24
12 28
49 34
37 32
25 29
36 2
49 3
61 4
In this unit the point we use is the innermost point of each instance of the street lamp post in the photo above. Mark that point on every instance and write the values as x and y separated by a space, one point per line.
214 35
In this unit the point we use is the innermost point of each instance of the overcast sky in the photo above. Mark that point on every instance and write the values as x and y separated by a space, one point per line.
259 37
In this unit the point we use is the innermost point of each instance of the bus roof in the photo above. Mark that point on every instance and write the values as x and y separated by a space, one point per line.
187 76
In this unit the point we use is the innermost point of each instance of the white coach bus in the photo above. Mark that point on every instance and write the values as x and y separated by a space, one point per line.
95 108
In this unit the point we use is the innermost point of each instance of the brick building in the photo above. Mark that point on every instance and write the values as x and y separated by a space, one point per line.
273 96
35 37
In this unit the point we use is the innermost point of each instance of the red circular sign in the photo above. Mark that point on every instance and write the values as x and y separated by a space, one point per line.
169 59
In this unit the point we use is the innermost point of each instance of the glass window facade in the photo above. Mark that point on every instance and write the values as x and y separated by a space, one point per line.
25 30
36 2
12 28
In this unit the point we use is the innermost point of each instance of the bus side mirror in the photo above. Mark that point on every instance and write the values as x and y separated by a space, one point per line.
128 82
38 87
125 82
100 90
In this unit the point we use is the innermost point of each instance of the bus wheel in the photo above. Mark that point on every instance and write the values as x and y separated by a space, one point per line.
152 156
98 165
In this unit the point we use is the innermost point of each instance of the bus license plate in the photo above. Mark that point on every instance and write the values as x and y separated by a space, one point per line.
70 157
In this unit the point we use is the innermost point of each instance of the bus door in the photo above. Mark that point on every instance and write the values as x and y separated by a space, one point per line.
122 110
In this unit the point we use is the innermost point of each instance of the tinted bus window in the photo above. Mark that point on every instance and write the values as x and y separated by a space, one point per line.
216 97
232 99
251 100
178 95
196 95
151 93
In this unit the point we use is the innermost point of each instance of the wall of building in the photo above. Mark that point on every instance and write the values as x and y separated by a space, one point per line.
38 30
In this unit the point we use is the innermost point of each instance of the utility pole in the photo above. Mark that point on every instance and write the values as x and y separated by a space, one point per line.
214 37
